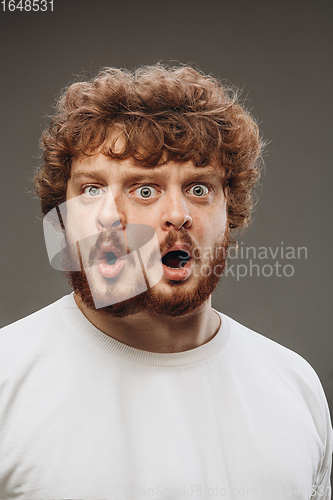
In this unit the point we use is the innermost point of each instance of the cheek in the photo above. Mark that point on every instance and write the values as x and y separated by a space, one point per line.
219 220
80 223
212 226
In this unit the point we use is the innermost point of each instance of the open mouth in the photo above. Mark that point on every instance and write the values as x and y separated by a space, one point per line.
111 258
109 264
176 259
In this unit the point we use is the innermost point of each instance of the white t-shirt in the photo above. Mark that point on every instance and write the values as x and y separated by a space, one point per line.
83 416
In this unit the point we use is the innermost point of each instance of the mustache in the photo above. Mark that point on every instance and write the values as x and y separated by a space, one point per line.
183 237
117 240
171 238
113 238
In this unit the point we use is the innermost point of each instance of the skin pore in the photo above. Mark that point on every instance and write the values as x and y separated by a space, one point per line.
182 203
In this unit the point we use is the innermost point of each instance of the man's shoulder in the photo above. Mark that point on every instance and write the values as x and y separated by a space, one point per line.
268 356
33 319
274 374
34 329
271 369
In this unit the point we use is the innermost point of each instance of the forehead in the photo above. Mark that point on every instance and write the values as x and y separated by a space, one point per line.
105 168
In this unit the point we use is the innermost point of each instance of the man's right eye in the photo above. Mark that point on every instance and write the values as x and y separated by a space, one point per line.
92 191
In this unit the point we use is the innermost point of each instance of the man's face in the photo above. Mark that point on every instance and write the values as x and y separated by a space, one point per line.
183 204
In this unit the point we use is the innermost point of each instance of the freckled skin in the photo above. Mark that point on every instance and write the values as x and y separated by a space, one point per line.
183 202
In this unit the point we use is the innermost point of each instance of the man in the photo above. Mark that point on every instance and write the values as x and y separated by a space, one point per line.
133 386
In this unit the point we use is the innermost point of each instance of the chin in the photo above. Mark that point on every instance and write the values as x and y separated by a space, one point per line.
167 298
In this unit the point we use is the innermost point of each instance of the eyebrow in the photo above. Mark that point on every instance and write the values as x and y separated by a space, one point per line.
93 174
96 175
201 173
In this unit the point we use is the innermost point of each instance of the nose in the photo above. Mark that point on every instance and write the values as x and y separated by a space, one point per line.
177 213
108 216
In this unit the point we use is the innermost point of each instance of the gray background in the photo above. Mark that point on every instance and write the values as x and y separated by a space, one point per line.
279 53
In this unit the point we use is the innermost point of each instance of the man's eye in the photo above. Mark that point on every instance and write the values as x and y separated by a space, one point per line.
92 191
145 191
199 190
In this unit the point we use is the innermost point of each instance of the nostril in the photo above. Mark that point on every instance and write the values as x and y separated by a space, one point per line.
116 223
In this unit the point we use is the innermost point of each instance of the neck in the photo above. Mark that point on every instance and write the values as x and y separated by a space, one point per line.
157 333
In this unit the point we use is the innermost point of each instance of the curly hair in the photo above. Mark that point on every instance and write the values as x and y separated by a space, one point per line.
165 114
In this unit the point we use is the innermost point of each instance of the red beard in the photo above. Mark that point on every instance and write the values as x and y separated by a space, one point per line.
153 300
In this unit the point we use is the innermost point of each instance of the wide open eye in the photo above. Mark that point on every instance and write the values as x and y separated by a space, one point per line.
92 191
199 190
145 192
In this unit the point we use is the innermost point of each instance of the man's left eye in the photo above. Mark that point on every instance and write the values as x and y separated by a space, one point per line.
199 190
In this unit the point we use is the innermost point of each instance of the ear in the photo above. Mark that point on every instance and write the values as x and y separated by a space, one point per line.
56 241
